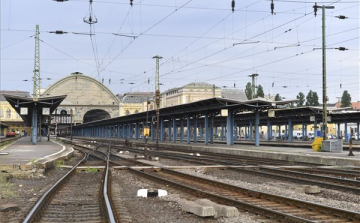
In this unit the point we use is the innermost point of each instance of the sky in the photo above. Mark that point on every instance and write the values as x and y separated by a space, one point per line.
199 40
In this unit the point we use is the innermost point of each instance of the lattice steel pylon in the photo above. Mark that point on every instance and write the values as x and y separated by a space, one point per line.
37 79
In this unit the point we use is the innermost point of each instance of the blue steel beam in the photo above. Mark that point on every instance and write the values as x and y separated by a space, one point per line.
269 130
161 129
182 129
250 131
174 129
346 132
206 128
34 123
188 128
195 129
290 130
257 135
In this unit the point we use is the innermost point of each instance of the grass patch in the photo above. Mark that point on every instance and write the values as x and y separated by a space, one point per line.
59 163
91 170
7 189
32 161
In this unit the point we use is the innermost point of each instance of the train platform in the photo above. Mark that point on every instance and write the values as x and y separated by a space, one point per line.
296 154
22 155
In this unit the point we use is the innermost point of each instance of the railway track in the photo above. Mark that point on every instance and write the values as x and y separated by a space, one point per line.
268 206
76 197
335 183
5 141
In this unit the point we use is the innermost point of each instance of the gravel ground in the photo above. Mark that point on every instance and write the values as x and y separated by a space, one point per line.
24 192
327 197
164 209
162 161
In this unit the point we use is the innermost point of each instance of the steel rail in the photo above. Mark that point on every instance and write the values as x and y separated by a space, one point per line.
323 181
307 205
270 214
43 201
109 209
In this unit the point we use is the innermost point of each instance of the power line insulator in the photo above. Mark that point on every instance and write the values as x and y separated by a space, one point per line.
341 17
272 7
58 32
131 2
315 9
233 5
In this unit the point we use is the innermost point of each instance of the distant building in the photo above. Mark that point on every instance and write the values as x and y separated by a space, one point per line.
10 120
135 102
191 92
87 99
233 94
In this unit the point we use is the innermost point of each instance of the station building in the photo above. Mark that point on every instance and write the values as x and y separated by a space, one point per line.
10 120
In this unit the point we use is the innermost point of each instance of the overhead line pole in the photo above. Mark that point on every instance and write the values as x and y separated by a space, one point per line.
157 99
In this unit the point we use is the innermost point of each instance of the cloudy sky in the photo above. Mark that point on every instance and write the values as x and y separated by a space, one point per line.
199 40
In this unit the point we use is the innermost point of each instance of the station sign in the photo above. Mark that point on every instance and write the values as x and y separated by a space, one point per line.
24 111
224 112
46 111
328 118
312 118
271 113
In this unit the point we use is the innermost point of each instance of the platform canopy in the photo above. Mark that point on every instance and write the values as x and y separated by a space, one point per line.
24 106
211 105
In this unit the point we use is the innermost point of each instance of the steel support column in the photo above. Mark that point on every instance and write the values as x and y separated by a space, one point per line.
162 129
212 129
257 135
229 127
290 130
357 131
250 131
315 128
188 128
174 129
182 129
195 129
169 130
152 131
268 131
137 132
34 126
206 128
346 133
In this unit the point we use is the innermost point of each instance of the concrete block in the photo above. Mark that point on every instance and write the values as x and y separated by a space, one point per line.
9 207
198 209
312 189
221 210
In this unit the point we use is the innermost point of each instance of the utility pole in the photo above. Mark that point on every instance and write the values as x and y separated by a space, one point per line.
213 90
157 99
37 79
325 98
253 76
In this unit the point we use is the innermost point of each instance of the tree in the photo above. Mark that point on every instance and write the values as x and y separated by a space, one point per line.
277 97
260 92
345 99
248 91
301 98
316 99
312 99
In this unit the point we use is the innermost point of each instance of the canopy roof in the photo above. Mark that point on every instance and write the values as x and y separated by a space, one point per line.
18 102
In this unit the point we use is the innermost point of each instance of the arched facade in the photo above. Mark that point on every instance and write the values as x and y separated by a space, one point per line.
84 94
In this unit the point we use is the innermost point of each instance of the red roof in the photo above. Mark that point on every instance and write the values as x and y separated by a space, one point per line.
354 105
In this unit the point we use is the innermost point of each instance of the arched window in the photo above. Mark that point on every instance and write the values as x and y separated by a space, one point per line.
63 112
127 112
1 113
8 113
136 111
